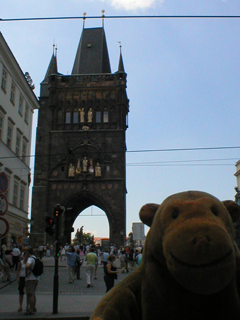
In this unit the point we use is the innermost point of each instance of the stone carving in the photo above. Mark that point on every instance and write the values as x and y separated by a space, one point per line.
78 169
82 114
71 171
98 171
90 115
85 164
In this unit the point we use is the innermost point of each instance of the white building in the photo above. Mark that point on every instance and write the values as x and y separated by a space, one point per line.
17 103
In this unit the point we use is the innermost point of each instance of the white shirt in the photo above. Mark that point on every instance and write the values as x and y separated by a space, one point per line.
31 276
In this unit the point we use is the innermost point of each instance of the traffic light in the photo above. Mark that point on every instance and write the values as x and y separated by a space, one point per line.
50 226
58 210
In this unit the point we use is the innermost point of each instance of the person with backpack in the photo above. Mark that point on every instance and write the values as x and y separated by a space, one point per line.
21 274
31 282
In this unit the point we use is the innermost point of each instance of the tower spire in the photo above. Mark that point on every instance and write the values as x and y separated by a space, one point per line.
120 64
103 16
84 19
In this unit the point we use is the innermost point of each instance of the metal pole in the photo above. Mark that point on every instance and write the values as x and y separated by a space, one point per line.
56 280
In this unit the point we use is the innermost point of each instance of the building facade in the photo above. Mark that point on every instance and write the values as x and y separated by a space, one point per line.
17 103
237 199
81 143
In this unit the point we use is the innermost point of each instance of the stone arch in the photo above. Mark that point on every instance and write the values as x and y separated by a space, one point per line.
77 204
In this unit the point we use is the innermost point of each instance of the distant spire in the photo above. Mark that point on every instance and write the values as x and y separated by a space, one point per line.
103 18
84 19
52 68
120 64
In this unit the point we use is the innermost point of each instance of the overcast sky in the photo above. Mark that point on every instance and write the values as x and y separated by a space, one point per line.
183 84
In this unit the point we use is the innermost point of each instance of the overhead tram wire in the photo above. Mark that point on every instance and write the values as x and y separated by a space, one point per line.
135 151
123 17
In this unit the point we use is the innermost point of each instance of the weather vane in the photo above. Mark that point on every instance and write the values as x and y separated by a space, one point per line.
120 45
84 18
103 16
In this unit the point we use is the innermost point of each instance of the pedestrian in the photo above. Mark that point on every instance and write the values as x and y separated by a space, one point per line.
139 257
21 274
31 282
41 248
81 254
91 259
6 264
16 257
78 265
123 258
111 273
63 253
96 264
71 262
104 260
131 259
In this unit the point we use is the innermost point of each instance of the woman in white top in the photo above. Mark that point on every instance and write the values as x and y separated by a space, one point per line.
21 274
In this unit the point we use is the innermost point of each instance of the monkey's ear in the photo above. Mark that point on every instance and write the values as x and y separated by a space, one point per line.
147 213
233 208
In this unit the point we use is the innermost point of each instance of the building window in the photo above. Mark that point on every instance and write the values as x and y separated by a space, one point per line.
7 192
98 116
105 116
68 117
4 80
12 95
24 151
15 194
75 117
22 193
26 115
1 124
9 135
20 107
18 144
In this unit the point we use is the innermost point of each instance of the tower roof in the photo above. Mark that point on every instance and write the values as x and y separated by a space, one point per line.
120 64
52 68
92 53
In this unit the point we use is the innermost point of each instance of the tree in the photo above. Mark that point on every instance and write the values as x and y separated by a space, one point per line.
81 237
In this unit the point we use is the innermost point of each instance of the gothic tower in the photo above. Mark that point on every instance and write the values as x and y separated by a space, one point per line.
81 143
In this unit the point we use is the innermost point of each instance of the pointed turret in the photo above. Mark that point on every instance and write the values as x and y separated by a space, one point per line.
92 53
52 68
120 64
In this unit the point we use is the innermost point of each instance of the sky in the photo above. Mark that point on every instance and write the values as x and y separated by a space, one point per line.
183 77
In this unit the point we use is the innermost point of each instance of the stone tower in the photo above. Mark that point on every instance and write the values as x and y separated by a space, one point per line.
81 142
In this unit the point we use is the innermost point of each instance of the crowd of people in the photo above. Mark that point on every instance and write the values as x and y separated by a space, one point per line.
22 261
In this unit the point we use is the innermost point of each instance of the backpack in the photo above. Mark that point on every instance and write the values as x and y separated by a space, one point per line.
38 267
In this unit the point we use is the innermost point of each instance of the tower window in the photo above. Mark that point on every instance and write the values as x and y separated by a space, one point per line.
75 117
98 116
68 117
105 116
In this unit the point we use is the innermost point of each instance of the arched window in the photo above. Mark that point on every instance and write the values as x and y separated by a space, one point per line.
75 116
98 116
68 117
105 116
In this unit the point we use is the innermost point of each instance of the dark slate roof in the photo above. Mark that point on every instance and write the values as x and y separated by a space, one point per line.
120 64
52 68
92 53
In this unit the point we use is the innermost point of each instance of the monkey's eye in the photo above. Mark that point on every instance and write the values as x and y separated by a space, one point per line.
214 211
175 213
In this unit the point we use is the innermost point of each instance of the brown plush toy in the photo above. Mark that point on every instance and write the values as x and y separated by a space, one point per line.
190 267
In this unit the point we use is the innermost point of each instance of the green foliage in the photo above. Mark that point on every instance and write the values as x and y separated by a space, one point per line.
87 238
